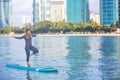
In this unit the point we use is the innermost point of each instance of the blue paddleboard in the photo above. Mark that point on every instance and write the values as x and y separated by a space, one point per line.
46 69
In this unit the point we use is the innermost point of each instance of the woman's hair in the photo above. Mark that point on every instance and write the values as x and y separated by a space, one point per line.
28 34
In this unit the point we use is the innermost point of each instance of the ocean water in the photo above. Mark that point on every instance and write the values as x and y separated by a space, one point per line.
76 58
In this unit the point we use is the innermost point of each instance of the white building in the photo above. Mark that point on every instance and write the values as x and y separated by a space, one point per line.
41 10
44 10
58 10
95 17
49 10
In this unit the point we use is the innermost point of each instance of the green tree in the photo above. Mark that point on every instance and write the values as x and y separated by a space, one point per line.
113 28
28 26
76 27
18 30
92 23
92 26
68 27
7 30
59 26
43 26
1 30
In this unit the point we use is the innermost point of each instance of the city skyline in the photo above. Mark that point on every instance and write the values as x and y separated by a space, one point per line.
27 9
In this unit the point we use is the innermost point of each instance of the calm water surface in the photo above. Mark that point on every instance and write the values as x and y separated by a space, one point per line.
76 58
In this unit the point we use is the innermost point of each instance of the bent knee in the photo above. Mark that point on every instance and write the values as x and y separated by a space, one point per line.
35 52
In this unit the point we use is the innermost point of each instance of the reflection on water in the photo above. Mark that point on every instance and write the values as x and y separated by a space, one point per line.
93 71
76 58
110 63
28 76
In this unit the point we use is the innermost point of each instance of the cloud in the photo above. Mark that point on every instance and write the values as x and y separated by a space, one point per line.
21 8
94 5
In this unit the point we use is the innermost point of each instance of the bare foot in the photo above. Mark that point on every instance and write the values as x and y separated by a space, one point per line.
31 55
28 64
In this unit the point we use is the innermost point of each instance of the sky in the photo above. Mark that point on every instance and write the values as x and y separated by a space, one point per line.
21 8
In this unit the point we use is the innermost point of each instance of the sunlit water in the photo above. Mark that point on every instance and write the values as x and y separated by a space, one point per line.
76 58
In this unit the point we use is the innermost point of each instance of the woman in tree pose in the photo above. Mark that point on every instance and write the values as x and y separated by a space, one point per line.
28 44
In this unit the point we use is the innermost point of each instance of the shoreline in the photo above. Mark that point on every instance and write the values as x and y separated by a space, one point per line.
57 35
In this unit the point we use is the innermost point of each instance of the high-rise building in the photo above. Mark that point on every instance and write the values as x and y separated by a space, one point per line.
49 10
35 12
58 10
77 10
5 13
108 12
119 8
41 10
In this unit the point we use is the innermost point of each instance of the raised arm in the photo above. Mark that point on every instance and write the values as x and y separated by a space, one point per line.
19 37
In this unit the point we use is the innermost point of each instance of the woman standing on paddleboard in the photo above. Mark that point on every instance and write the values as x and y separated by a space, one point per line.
28 44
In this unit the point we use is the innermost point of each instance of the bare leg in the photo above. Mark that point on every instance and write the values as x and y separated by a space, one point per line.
28 64
31 55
